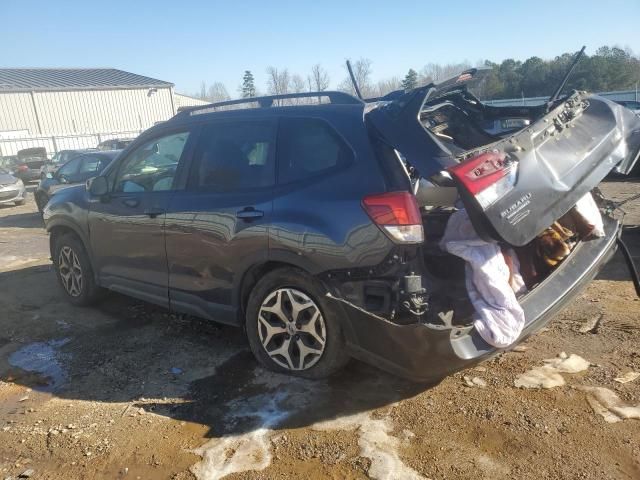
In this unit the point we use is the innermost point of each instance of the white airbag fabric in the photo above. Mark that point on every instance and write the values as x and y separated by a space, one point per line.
499 318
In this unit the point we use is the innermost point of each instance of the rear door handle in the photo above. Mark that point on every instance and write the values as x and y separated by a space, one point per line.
131 202
154 212
249 214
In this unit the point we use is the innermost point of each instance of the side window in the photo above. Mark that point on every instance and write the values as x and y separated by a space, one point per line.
308 147
70 167
152 166
234 156
89 164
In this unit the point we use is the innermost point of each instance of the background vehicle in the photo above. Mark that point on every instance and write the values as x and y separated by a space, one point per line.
59 159
12 189
77 170
28 163
632 105
302 223
115 144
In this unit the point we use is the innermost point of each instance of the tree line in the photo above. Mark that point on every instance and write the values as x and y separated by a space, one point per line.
610 68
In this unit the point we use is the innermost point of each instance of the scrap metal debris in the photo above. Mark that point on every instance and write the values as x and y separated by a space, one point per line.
548 375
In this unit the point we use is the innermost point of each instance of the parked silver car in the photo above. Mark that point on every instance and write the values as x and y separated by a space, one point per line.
12 189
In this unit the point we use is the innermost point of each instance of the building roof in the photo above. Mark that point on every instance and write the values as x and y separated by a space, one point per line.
39 79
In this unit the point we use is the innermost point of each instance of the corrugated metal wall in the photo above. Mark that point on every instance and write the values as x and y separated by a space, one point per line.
86 111
183 101
17 113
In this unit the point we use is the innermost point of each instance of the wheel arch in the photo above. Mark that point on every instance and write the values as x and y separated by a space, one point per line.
59 227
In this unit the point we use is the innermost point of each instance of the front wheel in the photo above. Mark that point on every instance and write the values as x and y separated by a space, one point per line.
291 328
74 271
41 201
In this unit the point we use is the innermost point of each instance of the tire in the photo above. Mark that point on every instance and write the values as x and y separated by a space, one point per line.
316 320
41 201
69 259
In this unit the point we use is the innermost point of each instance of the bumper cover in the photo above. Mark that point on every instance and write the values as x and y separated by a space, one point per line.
427 353
12 193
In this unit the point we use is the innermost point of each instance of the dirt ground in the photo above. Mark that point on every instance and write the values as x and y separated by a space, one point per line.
126 390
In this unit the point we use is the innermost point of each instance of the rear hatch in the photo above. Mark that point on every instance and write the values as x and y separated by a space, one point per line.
516 187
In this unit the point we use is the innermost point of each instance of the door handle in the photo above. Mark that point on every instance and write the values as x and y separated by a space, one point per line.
154 212
131 202
249 214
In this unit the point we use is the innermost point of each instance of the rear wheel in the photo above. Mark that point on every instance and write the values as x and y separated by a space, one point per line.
74 270
291 328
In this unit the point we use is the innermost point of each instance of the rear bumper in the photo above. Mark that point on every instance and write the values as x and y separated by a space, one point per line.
426 353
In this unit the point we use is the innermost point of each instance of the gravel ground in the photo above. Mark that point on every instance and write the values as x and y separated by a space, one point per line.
126 390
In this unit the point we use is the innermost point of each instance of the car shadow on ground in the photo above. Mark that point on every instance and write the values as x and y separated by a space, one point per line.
177 366
617 269
20 220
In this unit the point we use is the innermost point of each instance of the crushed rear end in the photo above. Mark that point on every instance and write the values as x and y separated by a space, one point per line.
513 187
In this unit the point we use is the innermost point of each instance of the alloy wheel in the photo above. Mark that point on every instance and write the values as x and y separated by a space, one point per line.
291 329
70 271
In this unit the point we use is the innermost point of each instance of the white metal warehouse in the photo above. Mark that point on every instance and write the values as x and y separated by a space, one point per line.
60 108
62 101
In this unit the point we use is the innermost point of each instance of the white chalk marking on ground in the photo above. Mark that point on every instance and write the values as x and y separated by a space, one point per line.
548 376
606 403
243 452
376 443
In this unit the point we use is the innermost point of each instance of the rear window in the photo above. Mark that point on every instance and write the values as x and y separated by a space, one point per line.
308 147
234 156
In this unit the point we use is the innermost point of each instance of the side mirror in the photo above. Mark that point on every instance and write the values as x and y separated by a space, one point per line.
49 175
99 186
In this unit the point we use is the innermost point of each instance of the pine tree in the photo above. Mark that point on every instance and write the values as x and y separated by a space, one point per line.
248 87
410 80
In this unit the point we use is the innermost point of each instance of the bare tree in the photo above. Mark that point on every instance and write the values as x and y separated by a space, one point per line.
217 92
319 79
298 85
362 73
434 72
203 91
278 82
387 86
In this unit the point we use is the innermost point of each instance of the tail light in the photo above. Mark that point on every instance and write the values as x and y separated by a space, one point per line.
487 176
398 215
22 168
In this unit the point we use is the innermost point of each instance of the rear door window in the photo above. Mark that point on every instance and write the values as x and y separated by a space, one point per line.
234 156
308 147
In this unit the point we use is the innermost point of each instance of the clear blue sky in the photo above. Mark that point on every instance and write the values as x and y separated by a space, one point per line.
187 42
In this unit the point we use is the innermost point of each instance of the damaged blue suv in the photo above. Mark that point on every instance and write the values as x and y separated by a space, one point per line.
313 220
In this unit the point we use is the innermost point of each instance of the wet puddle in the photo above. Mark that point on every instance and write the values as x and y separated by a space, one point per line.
45 360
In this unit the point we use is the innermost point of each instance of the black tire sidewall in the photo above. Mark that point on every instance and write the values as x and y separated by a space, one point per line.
334 356
89 292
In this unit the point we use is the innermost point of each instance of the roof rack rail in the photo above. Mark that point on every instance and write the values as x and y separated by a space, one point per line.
335 97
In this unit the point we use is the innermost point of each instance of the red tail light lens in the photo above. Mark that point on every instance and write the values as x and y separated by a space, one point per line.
479 173
397 213
23 168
